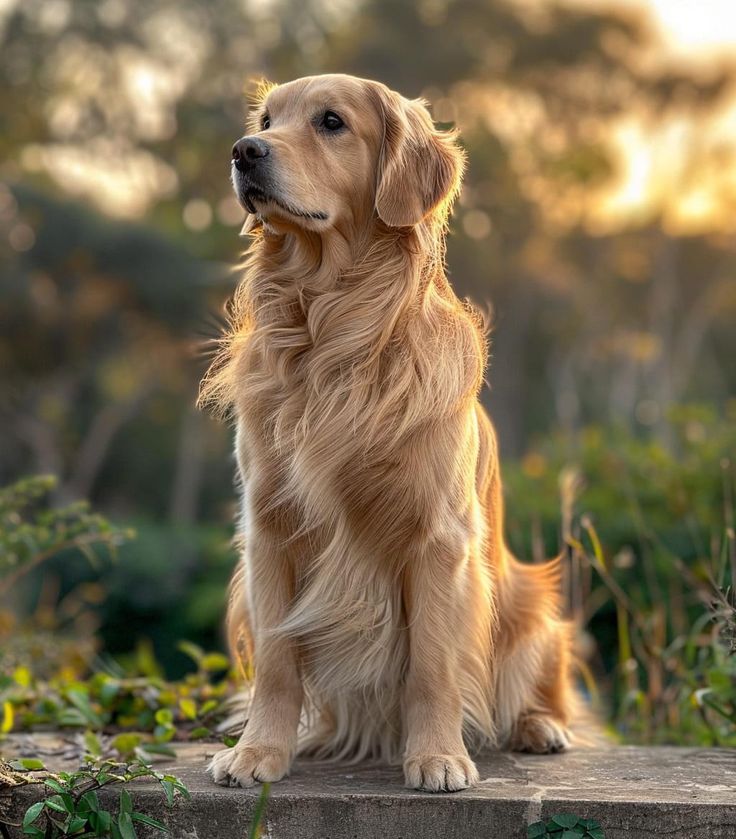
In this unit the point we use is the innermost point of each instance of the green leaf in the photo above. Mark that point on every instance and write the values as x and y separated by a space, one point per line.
89 802
571 834
30 764
164 716
8 717
595 833
188 708
199 732
71 717
54 785
192 650
159 749
108 692
32 813
92 743
535 830
79 699
168 788
181 788
56 803
565 820
35 832
101 822
215 661
126 743
76 823
164 733
144 819
126 804
125 826
184 792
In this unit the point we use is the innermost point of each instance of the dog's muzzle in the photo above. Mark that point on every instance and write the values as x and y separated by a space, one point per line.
249 154
250 159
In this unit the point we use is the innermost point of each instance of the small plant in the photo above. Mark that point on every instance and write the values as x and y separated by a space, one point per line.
566 826
31 532
73 807
133 713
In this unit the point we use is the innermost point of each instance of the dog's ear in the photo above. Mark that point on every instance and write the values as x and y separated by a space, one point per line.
419 168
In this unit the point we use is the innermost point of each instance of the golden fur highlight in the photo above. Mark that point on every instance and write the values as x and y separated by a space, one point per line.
384 614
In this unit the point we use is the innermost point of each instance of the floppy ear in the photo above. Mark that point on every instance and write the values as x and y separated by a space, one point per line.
419 168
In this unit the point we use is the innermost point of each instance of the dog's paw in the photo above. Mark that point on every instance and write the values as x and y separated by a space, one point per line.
246 765
440 773
540 734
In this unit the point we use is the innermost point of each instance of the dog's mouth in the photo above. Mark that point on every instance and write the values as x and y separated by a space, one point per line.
251 194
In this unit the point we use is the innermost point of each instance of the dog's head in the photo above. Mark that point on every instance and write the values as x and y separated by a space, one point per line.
333 151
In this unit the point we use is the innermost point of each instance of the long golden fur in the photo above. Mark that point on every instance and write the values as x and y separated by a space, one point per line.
376 597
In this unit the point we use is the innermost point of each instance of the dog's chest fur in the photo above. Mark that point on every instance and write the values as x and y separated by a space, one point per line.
327 439
344 435
343 509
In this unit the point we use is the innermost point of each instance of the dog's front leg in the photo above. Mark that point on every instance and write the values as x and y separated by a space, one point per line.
435 758
267 745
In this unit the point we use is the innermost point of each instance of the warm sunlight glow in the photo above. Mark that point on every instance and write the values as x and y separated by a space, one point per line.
696 25
679 167
125 190
693 29
682 167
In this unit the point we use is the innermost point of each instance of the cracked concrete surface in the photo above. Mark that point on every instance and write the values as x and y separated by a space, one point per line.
633 792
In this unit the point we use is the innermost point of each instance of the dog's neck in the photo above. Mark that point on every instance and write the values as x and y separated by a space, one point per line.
313 263
317 312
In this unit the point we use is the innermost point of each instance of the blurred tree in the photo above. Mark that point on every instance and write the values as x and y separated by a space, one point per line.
96 321
537 91
130 107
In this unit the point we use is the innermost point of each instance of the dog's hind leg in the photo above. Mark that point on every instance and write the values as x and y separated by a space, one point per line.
539 733
542 726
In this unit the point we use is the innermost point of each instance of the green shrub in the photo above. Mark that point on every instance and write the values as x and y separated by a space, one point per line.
33 532
71 805
649 532
565 826
59 632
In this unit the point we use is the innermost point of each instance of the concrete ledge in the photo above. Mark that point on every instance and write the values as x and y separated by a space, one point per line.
633 792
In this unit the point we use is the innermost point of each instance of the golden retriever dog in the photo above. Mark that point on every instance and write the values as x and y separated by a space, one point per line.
375 597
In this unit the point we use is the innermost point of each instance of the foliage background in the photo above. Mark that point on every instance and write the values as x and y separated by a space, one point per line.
597 221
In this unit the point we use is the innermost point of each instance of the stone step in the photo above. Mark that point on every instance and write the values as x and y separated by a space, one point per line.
633 792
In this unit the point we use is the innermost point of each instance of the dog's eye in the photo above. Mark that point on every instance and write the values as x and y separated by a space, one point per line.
331 121
265 122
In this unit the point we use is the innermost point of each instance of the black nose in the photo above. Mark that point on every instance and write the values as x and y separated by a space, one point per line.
248 151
